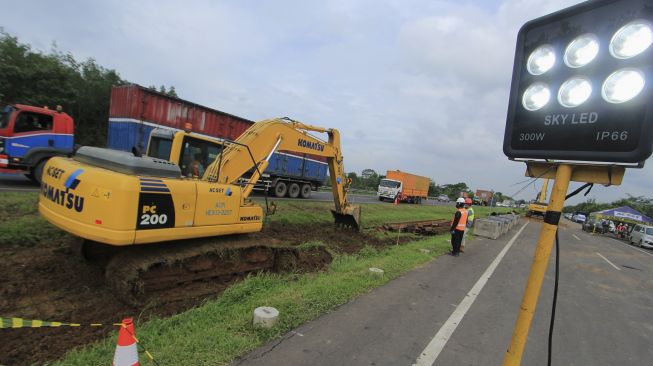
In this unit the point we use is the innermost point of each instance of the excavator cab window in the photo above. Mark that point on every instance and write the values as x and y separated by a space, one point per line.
159 148
197 155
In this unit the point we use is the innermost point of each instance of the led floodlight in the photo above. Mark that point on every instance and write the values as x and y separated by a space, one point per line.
596 103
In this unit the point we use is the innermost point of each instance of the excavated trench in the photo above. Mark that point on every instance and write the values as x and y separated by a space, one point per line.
51 282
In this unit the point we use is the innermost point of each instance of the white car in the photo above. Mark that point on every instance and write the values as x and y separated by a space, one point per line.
579 218
642 235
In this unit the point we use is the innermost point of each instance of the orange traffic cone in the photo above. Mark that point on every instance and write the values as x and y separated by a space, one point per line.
126 349
396 200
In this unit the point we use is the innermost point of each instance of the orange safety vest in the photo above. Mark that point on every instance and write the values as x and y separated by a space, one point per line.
462 223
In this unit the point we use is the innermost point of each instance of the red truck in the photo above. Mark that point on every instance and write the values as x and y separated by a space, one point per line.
29 136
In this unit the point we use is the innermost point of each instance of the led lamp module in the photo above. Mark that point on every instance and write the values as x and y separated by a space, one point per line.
622 86
536 96
574 92
631 39
582 50
541 60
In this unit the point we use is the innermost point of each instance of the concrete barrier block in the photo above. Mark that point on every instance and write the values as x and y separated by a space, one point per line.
265 317
488 228
502 222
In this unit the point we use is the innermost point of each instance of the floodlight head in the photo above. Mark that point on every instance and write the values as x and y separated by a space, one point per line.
582 85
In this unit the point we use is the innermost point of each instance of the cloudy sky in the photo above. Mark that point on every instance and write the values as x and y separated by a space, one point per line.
420 86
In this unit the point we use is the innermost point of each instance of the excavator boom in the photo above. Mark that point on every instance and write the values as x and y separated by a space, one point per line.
259 142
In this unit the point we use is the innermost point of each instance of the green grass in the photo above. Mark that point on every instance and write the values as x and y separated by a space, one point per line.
22 226
221 330
372 215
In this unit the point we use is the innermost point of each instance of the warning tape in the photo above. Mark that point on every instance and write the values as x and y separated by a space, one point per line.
30 323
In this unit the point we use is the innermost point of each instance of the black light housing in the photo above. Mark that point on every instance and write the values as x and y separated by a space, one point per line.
582 85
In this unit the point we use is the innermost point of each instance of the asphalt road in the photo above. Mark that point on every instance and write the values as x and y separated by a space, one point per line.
603 317
16 183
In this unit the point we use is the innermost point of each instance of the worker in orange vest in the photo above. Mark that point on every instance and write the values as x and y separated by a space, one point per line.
458 225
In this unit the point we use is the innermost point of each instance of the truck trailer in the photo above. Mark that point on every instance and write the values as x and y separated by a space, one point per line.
403 186
136 111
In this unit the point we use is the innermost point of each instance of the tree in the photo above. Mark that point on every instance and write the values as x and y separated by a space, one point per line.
83 89
172 92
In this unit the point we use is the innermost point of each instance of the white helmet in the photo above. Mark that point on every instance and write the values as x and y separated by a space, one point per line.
460 200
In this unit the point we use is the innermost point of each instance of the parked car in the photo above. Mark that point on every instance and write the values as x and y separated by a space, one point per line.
642 235
579 218
443 198
590 225
568 215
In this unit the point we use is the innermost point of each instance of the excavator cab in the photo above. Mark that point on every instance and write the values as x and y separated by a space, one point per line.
193 153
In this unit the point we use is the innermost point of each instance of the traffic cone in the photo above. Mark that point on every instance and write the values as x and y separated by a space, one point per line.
126 349
396 200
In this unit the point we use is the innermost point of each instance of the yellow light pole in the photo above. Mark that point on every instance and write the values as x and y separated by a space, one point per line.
538 269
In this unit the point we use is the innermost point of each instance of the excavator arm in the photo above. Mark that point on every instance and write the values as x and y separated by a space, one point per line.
254 148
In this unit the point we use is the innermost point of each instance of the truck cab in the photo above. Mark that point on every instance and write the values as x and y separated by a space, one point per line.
29 136
389 189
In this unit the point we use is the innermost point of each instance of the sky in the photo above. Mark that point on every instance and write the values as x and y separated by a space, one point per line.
416 85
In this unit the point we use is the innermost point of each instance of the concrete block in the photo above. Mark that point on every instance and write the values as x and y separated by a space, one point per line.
265 317
503 223
488 228
376 271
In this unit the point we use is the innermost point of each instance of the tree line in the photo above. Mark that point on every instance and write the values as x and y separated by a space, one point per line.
82 88
370 182
639 203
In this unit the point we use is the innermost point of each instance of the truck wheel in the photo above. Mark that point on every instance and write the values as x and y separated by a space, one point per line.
37 172
280 189
293 190
380 198
306 191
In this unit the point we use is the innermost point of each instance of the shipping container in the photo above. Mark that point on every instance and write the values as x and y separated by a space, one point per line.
403 186
135 111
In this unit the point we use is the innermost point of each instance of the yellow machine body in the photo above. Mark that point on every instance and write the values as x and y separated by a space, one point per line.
122 199
118 209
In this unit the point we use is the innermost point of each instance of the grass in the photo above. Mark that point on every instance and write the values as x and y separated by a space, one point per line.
220 330
22 226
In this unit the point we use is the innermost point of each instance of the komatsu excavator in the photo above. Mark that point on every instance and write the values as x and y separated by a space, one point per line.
187 186
539 207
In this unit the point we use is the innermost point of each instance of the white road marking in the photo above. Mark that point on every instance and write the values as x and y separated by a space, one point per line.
433 349
606 259
632 247
577 238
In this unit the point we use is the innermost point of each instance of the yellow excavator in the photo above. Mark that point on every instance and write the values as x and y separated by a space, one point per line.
539 207
186 186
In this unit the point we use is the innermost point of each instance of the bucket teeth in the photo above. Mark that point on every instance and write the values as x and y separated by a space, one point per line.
350 218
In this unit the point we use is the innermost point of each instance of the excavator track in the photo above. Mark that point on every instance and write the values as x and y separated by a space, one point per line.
151 273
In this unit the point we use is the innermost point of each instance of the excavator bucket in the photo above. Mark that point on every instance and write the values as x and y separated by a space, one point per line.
349 217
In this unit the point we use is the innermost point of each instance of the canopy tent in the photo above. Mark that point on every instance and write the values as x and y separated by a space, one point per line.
624 213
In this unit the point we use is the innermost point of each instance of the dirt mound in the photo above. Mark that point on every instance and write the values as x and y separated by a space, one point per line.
53 283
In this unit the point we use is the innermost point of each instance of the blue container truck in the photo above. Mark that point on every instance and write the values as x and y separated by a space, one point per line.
136 111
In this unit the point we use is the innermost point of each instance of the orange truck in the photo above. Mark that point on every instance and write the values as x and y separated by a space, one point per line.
407 187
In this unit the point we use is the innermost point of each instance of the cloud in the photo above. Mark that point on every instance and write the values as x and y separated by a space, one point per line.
420 86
